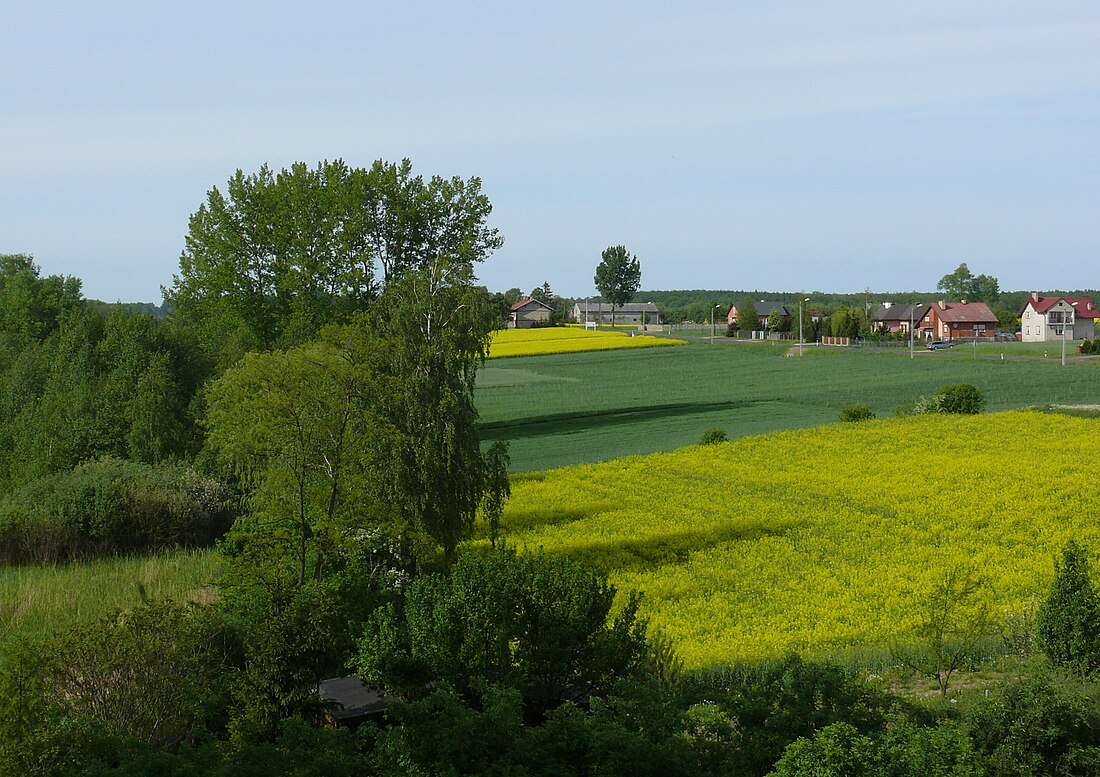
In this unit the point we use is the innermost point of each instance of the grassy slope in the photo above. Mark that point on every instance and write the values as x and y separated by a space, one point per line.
36 600
570 408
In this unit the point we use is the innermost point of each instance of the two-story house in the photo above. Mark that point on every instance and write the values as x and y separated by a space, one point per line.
1051 318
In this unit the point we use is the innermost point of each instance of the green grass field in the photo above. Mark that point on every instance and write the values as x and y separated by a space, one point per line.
572 408
37 600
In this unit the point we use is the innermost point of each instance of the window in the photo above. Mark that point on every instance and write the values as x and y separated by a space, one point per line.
1027 330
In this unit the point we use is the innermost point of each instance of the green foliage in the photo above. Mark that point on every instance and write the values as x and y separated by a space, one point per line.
960 398
636 730
855 413
1038 725
109 507
618 276
767 708
279 256
149 677
846 322
121 386
838 750
1069 618
747 317
299 428
436 326
31 306
713 437
532 623
962 284
953 622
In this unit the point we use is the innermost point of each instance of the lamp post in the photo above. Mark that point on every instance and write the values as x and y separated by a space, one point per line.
800 301
712 321
910 330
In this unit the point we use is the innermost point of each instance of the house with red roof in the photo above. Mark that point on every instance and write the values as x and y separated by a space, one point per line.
1052 318
529 313
958 320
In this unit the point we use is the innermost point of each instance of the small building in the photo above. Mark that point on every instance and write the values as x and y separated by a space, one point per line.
763 313
349 702
1051 318
529 313
892 318
957 320
630 313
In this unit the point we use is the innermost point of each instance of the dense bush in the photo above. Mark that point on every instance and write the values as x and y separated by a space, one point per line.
713 437
537 624
152 677
960 398
854 413
111 506
1069 619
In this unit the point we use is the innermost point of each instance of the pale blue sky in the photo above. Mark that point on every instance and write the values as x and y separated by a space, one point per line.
776 145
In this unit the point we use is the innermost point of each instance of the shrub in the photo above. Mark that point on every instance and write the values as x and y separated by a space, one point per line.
152 676
713 437
854 413
961 398
1069 619
111 506
731 330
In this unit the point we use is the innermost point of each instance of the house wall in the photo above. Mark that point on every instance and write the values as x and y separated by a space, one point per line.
525 319
1036 328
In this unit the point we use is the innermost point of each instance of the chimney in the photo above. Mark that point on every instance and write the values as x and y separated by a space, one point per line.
943 305
1035 296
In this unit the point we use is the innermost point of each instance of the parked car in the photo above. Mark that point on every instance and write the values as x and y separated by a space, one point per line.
935 345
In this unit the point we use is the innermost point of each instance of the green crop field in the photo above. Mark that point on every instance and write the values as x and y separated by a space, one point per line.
571 408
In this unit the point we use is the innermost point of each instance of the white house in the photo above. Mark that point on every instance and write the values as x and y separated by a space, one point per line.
1047 318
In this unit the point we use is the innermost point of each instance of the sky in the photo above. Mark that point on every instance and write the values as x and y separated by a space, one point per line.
772 145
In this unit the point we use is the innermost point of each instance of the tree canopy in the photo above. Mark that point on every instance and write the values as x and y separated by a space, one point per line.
962 284
278 256
618 276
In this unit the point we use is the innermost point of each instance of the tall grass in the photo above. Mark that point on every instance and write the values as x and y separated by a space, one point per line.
36 600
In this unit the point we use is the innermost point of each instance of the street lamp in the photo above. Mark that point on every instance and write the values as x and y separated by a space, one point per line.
807 299
712 321
911 306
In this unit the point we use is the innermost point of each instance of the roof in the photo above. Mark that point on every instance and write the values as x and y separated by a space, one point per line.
525 302
964 312
1082 306
899 312
765 308
596 305
350 697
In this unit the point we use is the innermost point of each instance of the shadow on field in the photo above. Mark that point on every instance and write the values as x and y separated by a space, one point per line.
559 423
664 549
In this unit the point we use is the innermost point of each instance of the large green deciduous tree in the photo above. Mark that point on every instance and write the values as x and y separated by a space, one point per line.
618 276
962 284
437 326
278 256
30 305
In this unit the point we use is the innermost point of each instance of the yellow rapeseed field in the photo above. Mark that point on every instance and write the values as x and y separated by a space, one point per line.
822 540
537 342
